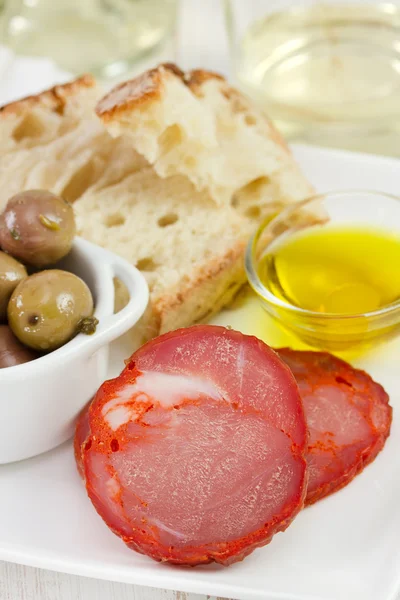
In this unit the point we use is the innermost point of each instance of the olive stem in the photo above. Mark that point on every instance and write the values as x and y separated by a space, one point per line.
87 325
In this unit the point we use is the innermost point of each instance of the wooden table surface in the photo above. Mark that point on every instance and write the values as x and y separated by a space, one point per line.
24 583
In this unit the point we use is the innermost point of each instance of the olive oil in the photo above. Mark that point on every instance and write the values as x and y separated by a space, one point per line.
336 270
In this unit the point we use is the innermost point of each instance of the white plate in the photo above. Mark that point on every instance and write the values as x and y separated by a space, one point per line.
346 547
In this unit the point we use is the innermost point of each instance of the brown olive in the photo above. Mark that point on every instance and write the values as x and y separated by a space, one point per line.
12 352
46 309
37 227
11 273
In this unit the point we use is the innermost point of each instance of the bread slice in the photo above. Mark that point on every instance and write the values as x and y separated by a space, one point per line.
54 141
175 175
39 119
190 251
195 124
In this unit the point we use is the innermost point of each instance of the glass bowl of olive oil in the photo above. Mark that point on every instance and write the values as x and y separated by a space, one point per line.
328 268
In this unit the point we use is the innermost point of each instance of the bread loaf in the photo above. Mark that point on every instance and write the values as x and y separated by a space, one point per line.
174 176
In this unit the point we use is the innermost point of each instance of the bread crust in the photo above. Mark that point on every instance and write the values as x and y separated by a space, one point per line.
147 87
195 79
222 276
54 99
139 91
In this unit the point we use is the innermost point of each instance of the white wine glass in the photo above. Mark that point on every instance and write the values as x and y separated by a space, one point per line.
327 72
104 37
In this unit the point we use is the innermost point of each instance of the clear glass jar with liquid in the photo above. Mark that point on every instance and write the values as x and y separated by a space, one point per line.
327 72
104 37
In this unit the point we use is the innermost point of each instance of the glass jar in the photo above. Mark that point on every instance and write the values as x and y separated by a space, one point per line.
104 37
327 72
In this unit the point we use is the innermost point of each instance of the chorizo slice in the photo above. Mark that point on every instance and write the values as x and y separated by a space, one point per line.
196 452
348 417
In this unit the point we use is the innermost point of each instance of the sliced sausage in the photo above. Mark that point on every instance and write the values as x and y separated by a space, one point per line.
348 416
196 452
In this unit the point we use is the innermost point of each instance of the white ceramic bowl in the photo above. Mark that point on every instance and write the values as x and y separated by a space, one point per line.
42 399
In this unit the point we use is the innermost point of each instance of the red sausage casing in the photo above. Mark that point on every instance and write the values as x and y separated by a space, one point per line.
348 416
196 452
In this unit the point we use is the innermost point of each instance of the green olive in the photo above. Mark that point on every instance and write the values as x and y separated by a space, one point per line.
49 308
12 352
37 227
11 273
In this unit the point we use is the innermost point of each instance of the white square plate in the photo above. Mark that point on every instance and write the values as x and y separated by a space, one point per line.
346 547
